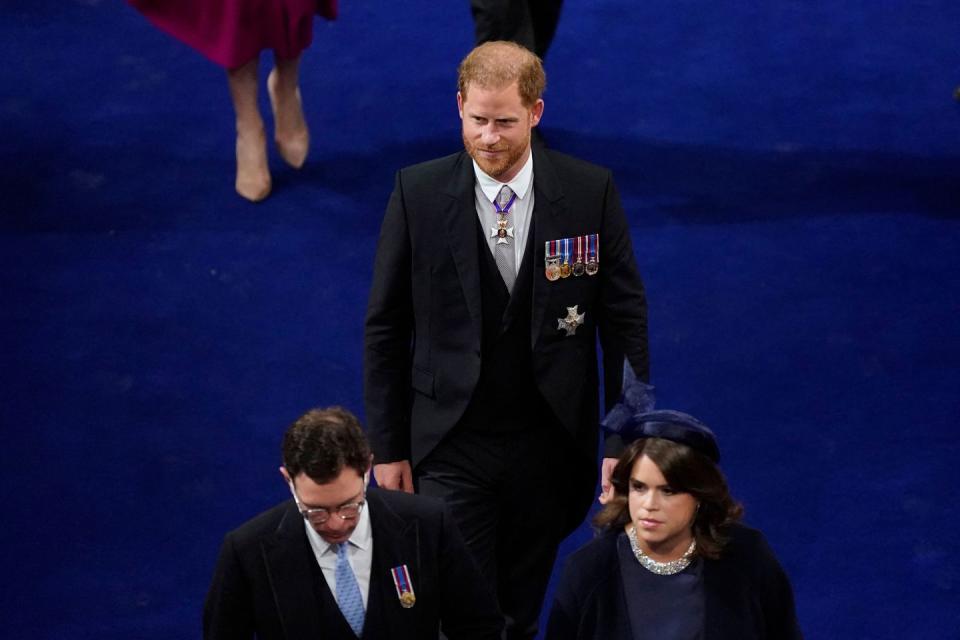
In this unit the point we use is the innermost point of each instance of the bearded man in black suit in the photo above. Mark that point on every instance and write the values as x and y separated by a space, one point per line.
497 268
340 561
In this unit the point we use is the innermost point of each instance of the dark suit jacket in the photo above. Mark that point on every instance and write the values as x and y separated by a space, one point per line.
748 595
265 581
424 322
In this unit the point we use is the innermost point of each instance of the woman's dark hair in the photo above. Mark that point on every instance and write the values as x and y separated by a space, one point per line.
324 441
686 470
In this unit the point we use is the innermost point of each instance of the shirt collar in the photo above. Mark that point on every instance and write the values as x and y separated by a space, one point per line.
520 183
361 537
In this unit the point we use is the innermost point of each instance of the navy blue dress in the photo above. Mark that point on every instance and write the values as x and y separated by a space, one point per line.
673 606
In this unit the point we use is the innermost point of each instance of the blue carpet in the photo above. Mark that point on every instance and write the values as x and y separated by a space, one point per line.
791 175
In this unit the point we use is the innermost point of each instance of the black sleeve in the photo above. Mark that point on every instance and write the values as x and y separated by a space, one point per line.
388 336
228 610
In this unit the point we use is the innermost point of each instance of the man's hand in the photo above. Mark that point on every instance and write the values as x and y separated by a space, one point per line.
606 489
397 476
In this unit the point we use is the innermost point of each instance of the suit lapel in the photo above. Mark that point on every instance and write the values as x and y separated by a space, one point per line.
395 543
461 226
287 556
548 211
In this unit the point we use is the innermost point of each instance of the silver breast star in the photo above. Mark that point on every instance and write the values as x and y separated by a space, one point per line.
572 322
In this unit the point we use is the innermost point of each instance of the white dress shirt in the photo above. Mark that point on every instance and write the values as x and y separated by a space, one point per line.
521 213
359 553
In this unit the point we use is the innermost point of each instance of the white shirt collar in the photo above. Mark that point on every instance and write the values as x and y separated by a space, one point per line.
520 183
361 537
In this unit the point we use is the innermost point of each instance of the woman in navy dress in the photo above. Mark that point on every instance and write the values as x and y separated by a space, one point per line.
672 561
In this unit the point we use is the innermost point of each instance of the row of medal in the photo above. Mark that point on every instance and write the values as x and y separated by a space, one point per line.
572 256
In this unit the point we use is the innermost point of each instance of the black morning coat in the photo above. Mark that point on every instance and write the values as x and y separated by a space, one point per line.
748 595
424 321
268 585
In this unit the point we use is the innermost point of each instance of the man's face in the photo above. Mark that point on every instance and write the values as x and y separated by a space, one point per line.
496 128
346 488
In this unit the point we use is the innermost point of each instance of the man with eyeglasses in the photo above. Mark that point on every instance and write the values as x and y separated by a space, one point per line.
341 560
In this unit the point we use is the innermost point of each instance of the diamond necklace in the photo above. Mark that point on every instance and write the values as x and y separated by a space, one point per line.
660 568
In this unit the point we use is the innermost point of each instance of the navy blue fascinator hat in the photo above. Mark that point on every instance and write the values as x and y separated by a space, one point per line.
634 417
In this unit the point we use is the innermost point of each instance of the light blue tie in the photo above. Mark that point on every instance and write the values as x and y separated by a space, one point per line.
348 591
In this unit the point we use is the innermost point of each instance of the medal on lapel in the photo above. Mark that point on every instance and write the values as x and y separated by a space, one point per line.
572 257
565 268
593 254
578 266
401 580
552 267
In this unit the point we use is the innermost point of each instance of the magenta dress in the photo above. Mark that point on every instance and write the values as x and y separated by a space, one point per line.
233 32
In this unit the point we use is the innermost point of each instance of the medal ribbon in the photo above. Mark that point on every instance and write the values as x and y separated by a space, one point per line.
551 249
506 209
401 580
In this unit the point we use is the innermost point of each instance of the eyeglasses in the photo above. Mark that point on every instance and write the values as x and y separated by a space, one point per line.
319 515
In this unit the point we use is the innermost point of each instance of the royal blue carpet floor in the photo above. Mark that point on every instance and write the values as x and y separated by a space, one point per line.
790 170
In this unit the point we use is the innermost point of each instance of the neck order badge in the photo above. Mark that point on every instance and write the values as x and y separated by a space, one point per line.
502 232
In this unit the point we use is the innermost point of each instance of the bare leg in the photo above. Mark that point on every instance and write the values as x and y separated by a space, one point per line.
253 173
290 127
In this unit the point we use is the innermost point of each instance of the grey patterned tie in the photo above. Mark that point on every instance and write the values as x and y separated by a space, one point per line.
503 252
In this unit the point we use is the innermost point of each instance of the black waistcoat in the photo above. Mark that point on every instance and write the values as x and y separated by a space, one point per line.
506 397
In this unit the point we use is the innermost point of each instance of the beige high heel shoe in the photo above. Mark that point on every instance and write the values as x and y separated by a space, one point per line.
253 172
290 127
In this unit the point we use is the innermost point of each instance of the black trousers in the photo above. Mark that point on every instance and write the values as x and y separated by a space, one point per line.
531 23
510 495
